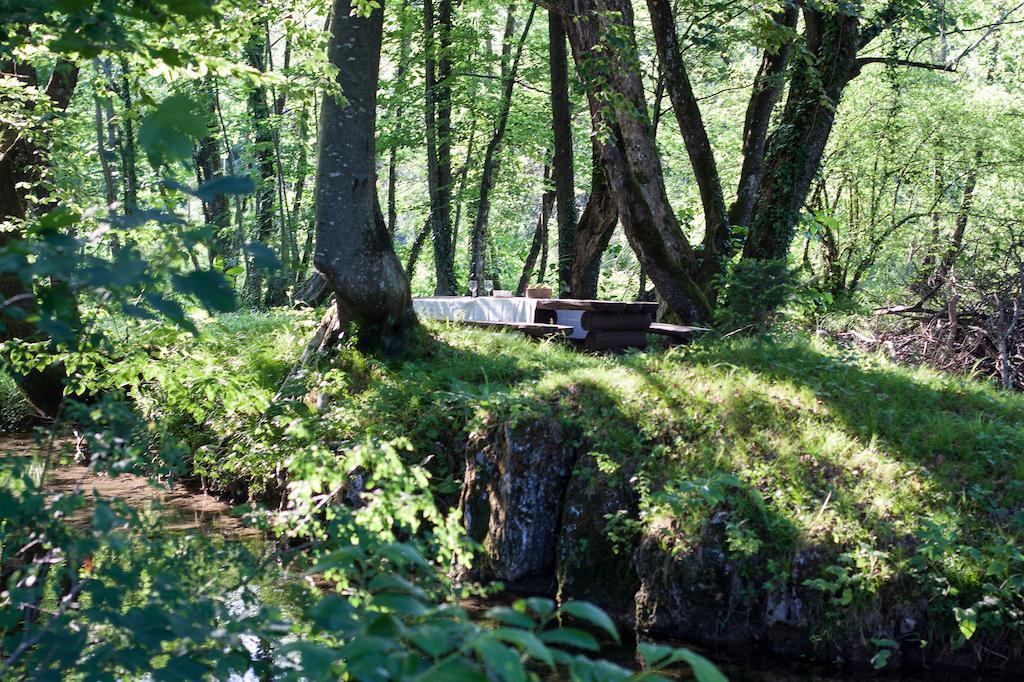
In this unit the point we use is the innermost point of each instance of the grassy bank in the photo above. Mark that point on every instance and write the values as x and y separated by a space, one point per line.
913 481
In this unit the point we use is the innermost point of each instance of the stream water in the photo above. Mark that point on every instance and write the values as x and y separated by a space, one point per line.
185 509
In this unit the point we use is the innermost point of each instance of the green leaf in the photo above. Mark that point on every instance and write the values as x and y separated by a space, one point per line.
541 606
967 619
432 640
209 287
588 612
881 659
528 642
504 614
502 662
317 660
403 604
570 637
167 133
659 656
222 185
262 256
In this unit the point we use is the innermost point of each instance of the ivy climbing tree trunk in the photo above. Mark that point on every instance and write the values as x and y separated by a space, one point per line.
354 251
766 92
561 162
794 152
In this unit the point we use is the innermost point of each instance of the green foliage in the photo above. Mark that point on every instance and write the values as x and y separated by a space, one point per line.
15 412
754 291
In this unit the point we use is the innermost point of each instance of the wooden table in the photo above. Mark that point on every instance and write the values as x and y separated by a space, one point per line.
600 325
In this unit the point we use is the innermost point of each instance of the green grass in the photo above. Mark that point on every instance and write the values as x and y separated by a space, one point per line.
910 483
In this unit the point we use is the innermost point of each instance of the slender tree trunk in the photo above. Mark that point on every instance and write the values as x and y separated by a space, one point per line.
595 229
128 151
717 232
956 242
438 133
539 234
101 147
463 179
400 78
354 252
766 92
263 151
561 123
417 248
630 156
216 212
298 192
510 64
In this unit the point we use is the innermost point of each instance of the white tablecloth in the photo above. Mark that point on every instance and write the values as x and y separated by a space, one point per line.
481 309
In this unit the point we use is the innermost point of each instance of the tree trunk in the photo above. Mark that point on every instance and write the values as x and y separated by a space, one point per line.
565 191
594 231
298 191
263 151
956 242
21 169
510 64
630 156
717 232
540 234
438 132
797 145
216 212
767 90
129 154
417 248
353 248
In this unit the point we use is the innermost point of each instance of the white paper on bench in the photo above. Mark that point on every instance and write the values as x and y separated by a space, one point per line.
482 309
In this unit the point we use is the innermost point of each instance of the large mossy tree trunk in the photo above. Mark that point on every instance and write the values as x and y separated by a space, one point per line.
353 249
561 162
22 167
796 146
602 36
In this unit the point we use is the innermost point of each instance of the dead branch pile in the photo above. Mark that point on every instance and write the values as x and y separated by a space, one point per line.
984 340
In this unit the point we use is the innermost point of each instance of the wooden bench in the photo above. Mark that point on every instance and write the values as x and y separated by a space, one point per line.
676 333
534 329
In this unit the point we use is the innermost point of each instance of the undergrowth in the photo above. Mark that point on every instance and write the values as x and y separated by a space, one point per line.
15 413
911 482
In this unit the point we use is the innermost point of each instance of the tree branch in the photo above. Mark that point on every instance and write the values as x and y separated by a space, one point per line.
893 61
